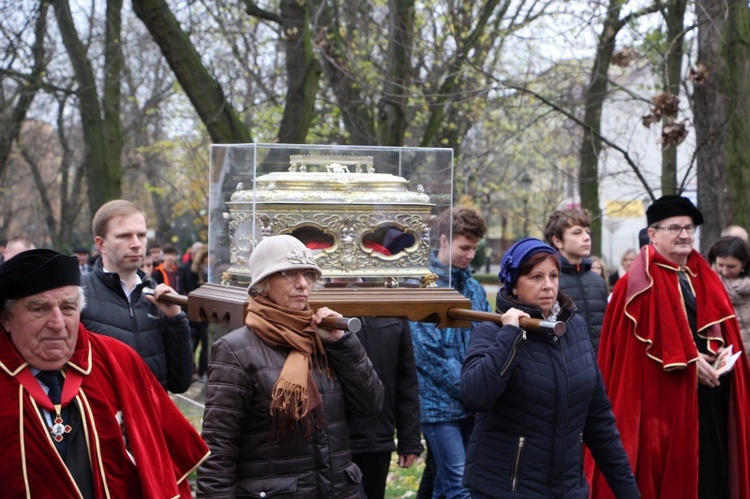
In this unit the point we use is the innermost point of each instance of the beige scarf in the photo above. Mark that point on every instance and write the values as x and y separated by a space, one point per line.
295 399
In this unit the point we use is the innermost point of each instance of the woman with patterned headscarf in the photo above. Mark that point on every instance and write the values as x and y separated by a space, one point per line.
538 395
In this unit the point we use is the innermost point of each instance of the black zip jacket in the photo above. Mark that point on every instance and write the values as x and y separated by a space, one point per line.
387 341
589 294
539 398
163 342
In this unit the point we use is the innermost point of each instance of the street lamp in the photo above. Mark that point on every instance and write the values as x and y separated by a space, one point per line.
526 182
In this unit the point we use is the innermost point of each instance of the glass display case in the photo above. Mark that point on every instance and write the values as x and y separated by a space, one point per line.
365 212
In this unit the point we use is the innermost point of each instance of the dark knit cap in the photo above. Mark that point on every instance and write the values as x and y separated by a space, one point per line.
34 271
516 255
673 206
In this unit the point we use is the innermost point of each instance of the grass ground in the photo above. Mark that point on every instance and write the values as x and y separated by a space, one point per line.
404 483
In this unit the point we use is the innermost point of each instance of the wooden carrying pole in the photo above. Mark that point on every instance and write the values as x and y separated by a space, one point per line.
227 305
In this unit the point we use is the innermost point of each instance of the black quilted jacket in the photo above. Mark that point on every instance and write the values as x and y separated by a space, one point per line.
387 341
163 342
539 398
589 294
245 460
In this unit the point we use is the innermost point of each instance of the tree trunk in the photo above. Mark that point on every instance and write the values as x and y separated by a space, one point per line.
715 199
70 188
674 17
113 62
591 144
103 185
737 71
438 107
355 113
392 119
204 92
303 73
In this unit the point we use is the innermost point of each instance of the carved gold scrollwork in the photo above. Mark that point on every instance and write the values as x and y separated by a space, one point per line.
356 221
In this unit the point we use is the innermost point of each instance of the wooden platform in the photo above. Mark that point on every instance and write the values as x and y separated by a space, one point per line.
227 305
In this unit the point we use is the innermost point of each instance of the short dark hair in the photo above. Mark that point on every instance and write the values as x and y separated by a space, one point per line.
465 222
562 219
730 246
169 249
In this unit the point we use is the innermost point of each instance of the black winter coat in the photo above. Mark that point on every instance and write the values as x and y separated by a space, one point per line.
246 460
387 341
163 342
589 294
539 398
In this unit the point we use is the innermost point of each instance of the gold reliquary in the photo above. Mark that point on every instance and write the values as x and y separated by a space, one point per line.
364 212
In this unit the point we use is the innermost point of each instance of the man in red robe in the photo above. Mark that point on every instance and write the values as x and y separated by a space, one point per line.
686 429
82 415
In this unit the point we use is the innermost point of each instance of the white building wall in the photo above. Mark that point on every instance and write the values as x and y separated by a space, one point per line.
619 184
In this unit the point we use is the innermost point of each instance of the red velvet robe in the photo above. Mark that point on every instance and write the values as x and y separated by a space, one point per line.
648 360
115 379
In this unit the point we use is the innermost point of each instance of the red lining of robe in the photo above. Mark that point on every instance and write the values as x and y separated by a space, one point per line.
164 444
654 356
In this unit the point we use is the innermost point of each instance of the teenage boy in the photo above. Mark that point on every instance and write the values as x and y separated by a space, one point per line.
439 352
570 232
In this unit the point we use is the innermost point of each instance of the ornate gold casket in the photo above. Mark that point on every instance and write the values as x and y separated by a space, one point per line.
367 211
360 217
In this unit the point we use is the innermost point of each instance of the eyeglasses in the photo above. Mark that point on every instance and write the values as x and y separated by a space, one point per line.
292 275
675 229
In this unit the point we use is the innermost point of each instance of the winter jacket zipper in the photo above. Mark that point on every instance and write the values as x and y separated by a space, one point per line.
513 352
517 465
580 462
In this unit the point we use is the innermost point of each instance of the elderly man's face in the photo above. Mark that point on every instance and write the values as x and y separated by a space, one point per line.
44 327
676 246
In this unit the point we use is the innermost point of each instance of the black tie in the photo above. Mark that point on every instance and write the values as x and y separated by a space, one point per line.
690 307
54 381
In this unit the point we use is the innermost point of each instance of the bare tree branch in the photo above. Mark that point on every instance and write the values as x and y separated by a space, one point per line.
633 165
254 10
10 130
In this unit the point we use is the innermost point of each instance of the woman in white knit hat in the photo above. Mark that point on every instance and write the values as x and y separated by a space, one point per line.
281 388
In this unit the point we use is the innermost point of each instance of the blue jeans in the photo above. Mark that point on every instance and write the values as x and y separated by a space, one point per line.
448 442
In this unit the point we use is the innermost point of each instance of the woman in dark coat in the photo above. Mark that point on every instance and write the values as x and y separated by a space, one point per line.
281 389
539 397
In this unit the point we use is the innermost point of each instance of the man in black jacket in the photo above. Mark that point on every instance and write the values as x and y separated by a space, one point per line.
387 341
119 308
570 232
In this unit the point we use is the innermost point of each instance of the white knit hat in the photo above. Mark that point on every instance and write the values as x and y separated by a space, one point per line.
276 253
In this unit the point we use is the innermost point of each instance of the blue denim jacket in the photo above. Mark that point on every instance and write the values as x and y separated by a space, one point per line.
439 352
